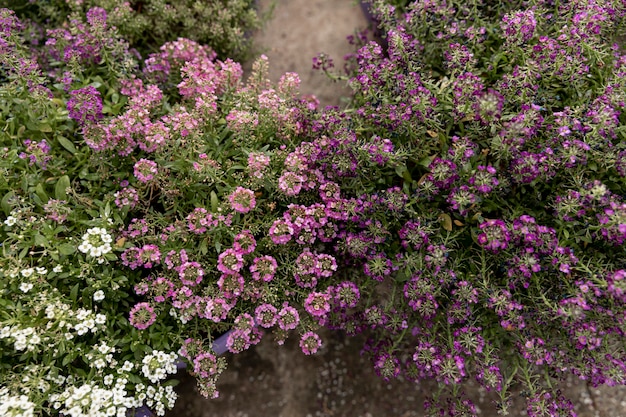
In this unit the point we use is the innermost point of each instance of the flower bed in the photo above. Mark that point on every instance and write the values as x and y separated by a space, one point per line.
465 211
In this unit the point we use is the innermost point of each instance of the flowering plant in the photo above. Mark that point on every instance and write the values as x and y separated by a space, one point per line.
466 211
224 25
501 252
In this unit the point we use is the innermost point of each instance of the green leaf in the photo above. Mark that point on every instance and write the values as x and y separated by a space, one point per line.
66 249
41 193
74 293
6 207
60 189
40 240
67 144
214 202
204 247
68 358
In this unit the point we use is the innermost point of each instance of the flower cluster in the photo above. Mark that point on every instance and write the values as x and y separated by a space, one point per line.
470 189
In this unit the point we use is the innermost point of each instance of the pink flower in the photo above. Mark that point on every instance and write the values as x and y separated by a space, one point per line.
290 183
263 268
230 261
145 170
317 304
190 273
266 315
244 242
310 343
242 200
281 232
142 316
288 317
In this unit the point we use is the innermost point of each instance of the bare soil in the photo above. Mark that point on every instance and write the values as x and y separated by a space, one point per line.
279 381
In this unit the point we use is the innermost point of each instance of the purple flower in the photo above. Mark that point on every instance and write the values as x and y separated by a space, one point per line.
142 315
244 242
266 315
310 343
190 273
150 255
205 365
443 173
484 179
231 284
264 268
290 183
288 317
145 170
519 27
36 153
346 294
85 105
97 17
317 304
242 200
494 235
281 231
230 261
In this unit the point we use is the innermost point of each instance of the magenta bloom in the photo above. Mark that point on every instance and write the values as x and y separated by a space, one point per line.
205 365
190 273
288 317
150 255
281 231
290 183
145 170
310 343
142 316
266 315
494 237
230 261
245 242
317 304
85 105
263 268
231 284
242 200
126 197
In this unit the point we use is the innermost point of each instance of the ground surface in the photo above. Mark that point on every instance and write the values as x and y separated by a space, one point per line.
272 381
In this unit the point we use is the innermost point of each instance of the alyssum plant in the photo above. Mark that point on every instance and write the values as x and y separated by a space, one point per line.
466 211
501 251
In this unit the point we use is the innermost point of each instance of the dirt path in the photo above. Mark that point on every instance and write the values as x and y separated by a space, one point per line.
272 381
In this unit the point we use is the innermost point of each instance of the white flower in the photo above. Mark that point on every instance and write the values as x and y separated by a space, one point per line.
101 319
99 363
108 380
128 366
10 221
26 286
41 270
96 242
27 272
57 269
98 296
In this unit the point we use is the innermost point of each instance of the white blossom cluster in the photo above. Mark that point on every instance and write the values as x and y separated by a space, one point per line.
90 400
66 320
96 243
88 321
158 398
23 338
15 405
102 357
158 365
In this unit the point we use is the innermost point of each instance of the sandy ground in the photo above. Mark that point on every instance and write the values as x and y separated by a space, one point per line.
272 381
